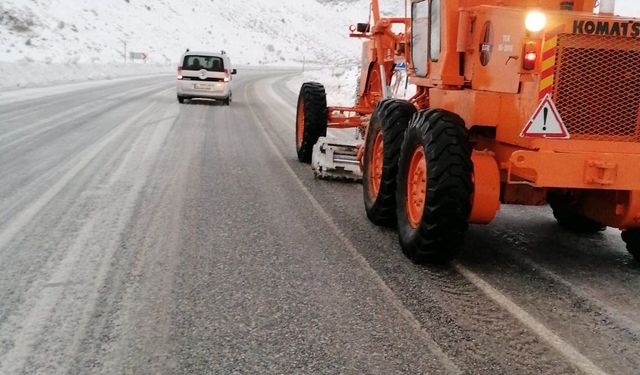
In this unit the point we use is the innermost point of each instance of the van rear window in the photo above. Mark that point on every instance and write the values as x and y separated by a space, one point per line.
210 63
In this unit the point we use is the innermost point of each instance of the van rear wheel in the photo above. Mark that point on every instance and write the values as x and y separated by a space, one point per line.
180 99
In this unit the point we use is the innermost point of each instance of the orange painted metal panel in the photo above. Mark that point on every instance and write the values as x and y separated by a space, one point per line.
604 171
475 107
486 195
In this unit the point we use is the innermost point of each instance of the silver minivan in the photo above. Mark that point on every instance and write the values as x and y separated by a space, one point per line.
205 75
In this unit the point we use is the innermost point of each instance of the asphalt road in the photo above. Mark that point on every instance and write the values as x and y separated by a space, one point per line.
141 236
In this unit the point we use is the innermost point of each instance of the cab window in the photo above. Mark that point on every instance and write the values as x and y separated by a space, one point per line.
435 31
420 36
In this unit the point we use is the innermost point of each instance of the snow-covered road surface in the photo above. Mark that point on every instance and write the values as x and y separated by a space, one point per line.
138 235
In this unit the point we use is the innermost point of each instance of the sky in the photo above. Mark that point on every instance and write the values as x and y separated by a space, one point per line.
628 8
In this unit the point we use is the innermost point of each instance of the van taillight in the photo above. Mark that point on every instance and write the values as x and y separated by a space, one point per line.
227 76
179 72
530 56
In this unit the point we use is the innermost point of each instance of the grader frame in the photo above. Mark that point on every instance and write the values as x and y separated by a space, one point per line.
381 48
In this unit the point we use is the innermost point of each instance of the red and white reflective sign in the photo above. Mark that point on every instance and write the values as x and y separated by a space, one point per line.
545 122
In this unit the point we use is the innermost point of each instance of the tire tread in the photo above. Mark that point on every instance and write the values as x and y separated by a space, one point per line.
392 117
449 187
314 97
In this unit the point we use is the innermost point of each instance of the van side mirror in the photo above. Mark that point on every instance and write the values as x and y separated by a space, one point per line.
234 71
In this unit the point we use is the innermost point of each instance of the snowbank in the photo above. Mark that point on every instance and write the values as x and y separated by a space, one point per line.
339 82
30 74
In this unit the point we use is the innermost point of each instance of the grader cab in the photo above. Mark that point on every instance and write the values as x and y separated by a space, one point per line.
518 102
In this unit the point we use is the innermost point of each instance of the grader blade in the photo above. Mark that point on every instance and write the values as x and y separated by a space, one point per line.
336 159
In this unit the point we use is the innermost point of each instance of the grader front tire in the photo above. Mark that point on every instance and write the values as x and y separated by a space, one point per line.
311 119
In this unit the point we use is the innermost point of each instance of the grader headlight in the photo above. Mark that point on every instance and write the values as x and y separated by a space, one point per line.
535 21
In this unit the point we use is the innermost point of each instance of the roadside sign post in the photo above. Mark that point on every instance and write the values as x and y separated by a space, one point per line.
138 56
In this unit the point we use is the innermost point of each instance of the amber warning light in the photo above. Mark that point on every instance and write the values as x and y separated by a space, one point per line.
535 21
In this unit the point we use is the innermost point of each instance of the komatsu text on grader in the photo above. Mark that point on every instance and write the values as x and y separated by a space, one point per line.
518 101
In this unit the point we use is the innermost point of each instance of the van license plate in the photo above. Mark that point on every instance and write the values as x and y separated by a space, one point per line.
199 86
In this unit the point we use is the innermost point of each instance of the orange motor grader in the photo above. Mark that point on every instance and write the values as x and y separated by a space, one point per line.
518 102
383 49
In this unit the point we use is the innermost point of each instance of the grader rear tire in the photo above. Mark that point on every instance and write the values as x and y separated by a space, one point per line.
568 216
435 187
311 119
380 164
632 238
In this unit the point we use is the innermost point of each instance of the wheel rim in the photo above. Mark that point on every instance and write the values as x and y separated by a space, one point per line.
300 124
377 161
374 88
416 187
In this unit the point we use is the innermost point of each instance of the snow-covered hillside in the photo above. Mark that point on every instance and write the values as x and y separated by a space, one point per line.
267 32
251 31
82 39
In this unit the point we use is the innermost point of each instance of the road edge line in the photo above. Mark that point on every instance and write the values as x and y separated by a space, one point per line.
545 334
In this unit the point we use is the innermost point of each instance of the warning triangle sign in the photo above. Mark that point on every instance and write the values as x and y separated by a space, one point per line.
545 122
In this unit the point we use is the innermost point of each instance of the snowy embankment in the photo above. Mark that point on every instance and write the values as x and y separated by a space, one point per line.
31 74
340 83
